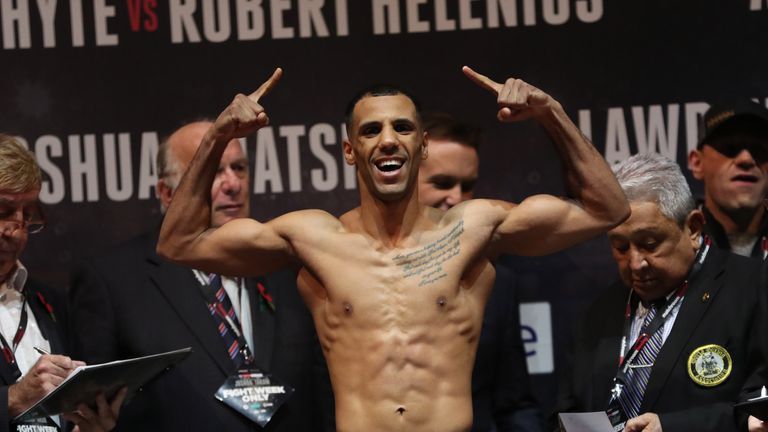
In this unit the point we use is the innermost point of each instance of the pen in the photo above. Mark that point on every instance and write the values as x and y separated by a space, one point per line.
41 351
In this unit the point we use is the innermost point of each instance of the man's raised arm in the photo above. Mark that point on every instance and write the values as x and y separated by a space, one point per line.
543 224
240 247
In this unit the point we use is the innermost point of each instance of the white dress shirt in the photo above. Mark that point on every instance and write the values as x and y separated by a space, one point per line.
11 299
240 302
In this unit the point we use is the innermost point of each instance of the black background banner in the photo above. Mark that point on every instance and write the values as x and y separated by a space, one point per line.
92 86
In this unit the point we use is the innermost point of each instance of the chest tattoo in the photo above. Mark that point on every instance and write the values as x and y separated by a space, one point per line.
426 263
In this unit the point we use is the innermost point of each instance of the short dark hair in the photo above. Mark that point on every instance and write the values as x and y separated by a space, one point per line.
377 90
443 126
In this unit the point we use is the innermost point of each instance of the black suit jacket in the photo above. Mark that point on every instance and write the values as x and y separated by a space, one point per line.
501 391
133 303
52 325
724 305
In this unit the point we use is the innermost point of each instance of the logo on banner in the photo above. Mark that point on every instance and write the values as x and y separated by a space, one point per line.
536 325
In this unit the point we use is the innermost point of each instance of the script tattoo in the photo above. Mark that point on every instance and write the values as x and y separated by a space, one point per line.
427 262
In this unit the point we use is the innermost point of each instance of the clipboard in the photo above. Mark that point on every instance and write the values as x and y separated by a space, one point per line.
584 422
86 382
756 407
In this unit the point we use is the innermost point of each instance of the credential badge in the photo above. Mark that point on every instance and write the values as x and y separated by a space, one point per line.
709 365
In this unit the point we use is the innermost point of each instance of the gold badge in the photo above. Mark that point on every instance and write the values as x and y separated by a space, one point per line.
709 365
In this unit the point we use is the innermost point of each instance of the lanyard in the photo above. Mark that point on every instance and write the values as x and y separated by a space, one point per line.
235 328
8 351
672 303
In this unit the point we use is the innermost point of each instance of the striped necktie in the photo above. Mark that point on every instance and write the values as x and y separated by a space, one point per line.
230 339
637 377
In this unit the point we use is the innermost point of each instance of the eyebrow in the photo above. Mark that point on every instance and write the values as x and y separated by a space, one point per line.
639 232
20 203
394 121
369 123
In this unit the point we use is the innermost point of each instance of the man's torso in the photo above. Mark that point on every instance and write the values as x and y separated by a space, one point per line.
399 325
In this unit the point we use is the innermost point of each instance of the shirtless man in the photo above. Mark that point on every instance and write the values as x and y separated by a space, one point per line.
396 289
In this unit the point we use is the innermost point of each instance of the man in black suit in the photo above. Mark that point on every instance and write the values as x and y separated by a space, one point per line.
686 325
501 391
731 160
32 317
132 303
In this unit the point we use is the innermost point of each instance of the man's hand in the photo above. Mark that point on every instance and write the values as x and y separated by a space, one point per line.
244 115
103 419
648 422
756 425
45 375
518 100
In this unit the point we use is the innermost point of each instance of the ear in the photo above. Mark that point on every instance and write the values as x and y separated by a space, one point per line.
164 193
425 146
694 164
349 154
694 225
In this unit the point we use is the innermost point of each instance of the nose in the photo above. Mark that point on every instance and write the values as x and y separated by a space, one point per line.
453 196
12 225
637 260
10 228
744 159
388 141
230 182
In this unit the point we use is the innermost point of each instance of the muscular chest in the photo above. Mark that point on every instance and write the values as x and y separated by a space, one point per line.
443 275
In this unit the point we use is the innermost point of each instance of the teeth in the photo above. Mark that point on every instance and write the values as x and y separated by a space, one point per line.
389 164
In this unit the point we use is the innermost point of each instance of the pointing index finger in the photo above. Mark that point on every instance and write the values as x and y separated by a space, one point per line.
265 88
482 80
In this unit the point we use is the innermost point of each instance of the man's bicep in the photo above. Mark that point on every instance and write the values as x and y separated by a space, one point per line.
242 247
544 224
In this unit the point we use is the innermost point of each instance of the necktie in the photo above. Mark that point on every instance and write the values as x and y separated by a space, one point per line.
226 308
637 377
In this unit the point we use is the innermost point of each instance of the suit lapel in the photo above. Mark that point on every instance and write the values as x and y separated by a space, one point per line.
48 327
7 372
606 358
180 288
691 313
263 322
604 370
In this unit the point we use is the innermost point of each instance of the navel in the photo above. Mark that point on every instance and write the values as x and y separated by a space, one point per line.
400 410
441 302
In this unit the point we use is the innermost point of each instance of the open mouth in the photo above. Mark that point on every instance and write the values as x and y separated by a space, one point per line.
745 178
389 165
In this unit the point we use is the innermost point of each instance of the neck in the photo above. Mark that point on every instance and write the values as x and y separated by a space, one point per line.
739 221
389 221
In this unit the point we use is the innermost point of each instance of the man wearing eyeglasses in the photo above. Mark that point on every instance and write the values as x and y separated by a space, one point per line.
732 161
32 317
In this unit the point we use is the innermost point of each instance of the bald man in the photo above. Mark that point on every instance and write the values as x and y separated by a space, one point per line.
132 303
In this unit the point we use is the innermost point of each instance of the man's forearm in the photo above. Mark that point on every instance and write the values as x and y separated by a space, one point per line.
589 179
189 214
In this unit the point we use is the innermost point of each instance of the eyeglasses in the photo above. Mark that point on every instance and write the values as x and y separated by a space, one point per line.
33 220
731 146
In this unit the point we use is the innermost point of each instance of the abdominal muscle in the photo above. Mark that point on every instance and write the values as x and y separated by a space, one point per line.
397 383
402 365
